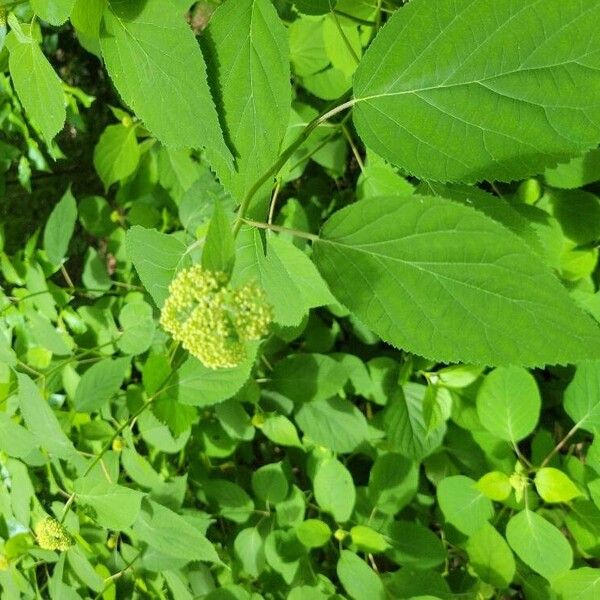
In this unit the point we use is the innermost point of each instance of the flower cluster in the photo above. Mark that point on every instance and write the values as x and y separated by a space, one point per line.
212 320
51 535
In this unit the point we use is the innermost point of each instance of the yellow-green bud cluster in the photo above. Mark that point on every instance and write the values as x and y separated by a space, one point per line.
51 535
212 320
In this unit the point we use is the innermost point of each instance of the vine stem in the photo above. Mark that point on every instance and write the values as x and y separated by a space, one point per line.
270 227
284 157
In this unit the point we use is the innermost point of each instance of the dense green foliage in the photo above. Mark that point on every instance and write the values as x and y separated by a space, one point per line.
299 299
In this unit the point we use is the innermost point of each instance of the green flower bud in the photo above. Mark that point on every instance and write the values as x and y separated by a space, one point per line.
51 535
4 564
213 321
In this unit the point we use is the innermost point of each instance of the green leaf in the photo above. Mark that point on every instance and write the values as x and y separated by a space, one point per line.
7 354
508 403
342 44
156 257
59 228
270 483
531 537
494 207
249 548
334 489
306 377
554 486
582 396
150 52
367 539
488 300
578 172
198 385
46 335
94 215
230 500
292 284
85 18
478 97
113 506
138 327
253 76
393 483
15 440
280 430
414 545
358 579
117 154
578 584
405 424
100 383
495 485
313 533
334 423
463 505
490 557
95 274
218 253
171 534
55 12
41 420
38 86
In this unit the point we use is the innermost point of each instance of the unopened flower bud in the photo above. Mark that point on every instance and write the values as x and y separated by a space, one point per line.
52 535
213 321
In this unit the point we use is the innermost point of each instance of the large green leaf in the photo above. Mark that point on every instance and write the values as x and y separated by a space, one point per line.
444 281
405 423
59 228
582 396
116 154
198 385
99 384
37 85
113 506
463 505
393 483
157 67
306 377
466 90
290 280
41 420
334 423
508 403
56 12
157 257
539 544
358 579
578 584
249 45
171 534
490 557
334 489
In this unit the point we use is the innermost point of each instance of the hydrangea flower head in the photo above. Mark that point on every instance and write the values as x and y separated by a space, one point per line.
212 320
51 535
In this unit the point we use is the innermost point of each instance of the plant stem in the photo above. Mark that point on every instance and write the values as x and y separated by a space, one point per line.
278 228
274 202
353 147
358 20
560 445
345 38
284 157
